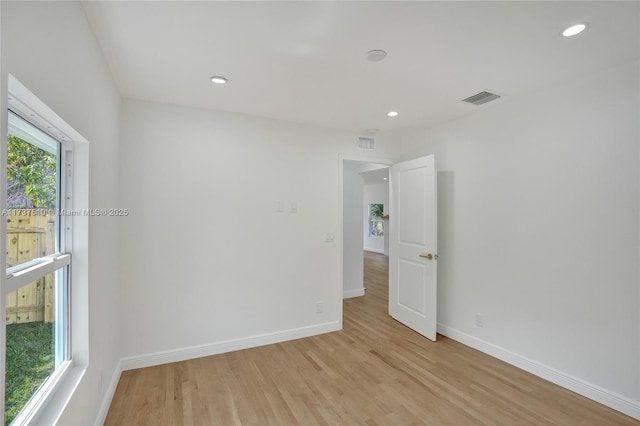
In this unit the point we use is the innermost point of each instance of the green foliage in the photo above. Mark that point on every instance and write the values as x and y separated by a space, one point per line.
29 362
377 210
31 171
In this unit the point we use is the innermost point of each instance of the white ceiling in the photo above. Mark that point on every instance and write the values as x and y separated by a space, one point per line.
376 176
304 61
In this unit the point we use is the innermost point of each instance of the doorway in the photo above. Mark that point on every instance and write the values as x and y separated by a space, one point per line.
365 197
412 231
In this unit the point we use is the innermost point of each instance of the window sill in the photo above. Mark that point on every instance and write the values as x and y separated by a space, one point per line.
52 404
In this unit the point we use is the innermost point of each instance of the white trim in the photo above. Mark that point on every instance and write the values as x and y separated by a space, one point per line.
34 407
19 275
347 294
582 387
54 404
51 411
374 250
65 222
30 133
182 354
26 102
108 395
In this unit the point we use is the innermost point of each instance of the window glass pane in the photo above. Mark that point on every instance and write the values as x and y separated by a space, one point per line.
36 338
376 228
32 192
376 224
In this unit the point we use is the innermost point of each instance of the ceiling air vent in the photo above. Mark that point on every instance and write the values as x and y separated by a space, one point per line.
366 143
481 98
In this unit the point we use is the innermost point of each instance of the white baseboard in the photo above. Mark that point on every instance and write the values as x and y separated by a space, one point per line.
586 389
353 293
374 250
108 396
182 354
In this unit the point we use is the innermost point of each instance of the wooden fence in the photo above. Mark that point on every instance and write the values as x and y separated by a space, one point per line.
29 236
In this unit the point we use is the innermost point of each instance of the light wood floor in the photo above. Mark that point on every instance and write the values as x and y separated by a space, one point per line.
373 372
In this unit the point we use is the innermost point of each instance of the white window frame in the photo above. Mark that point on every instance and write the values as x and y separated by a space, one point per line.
58 262
48 403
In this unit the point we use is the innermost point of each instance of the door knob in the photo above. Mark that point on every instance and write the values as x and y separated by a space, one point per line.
427 256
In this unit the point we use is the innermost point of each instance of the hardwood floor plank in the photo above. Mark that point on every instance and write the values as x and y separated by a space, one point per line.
373 372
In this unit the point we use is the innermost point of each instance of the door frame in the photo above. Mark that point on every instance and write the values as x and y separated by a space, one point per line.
356 158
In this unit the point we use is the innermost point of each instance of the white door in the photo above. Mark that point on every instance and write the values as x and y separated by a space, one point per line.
413 245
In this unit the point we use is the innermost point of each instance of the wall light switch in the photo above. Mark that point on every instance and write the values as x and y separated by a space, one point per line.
280 206
294 207
330 237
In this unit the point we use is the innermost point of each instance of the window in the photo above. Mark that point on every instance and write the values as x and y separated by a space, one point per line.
376 224
36 289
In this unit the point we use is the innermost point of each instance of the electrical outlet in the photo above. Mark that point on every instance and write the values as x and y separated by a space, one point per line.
318 307
479 320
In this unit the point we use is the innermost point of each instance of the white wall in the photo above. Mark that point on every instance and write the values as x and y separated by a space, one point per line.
50 48
538 228
206 258
374 194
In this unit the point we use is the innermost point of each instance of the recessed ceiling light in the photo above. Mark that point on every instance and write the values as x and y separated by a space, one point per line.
218 80
385 178
392 114
375 55
574 30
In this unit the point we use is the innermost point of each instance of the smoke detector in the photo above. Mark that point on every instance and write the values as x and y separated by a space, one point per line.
375 55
